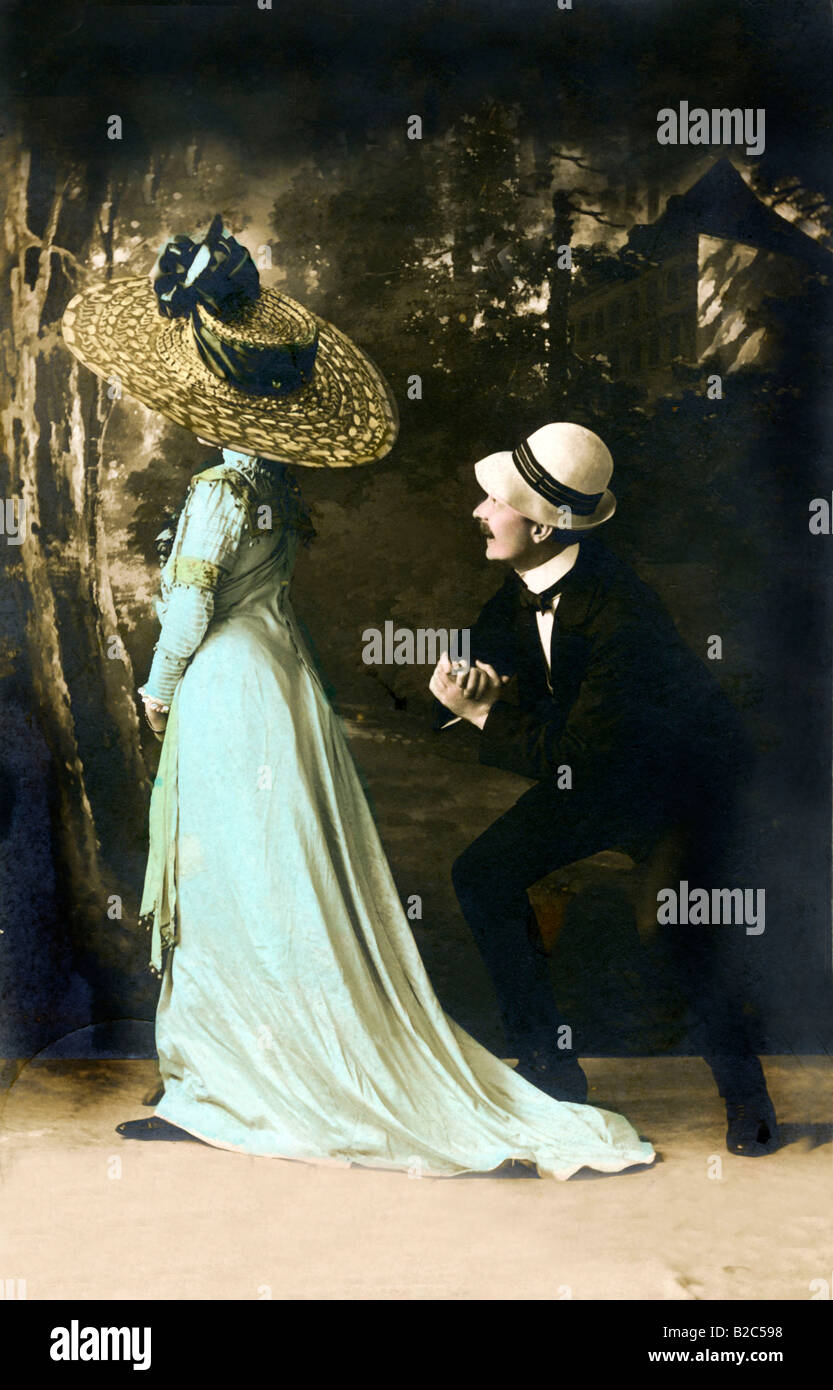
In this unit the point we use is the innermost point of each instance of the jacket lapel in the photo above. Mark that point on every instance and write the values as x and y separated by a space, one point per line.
568 643
577 590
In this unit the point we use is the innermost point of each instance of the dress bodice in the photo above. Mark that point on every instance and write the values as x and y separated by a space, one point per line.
215 534
232 548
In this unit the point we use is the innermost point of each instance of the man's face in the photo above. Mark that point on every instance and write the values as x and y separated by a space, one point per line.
508 533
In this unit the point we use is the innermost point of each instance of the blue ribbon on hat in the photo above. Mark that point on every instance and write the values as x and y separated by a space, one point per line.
548 487
219 275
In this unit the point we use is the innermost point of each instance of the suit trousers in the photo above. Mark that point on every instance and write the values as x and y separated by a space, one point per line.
545 830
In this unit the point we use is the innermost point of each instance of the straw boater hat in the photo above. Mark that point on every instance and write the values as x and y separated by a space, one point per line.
558 476
243 367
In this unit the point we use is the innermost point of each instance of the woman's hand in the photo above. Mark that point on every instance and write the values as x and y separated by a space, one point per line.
155 714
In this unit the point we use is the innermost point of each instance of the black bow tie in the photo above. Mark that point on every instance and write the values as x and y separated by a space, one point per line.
542 603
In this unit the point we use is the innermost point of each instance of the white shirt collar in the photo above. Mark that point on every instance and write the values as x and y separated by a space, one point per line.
540 578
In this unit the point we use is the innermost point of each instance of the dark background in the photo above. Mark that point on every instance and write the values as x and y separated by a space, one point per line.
438 257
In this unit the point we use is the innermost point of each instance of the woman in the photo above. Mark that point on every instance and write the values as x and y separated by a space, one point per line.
295 1018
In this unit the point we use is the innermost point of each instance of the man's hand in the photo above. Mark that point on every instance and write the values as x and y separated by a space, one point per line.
468 694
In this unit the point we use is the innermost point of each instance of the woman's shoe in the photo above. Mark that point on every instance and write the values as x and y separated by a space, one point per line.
154 1128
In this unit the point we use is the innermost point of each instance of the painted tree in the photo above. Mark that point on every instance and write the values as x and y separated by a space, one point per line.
80 682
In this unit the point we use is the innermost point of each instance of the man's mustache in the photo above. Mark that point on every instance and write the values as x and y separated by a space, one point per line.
484 530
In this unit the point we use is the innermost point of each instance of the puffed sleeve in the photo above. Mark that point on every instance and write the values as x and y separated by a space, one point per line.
208 536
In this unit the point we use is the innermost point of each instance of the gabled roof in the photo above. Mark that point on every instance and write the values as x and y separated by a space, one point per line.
722 204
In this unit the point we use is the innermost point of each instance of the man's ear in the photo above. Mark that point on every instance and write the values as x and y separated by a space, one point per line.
540 532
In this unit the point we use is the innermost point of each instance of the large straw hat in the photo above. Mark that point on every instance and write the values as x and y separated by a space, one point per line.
558 476
241 366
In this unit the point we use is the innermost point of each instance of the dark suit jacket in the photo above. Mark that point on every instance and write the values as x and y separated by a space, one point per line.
640 721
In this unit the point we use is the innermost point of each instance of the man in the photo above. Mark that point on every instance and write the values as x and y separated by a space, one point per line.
625 734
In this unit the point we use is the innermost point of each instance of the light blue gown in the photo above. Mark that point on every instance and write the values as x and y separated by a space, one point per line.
296 1019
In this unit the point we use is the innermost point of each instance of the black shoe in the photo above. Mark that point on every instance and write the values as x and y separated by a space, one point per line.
559 1077
752 1128
154 1128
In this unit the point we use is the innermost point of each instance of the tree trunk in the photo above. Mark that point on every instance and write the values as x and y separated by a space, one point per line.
53 417
558 281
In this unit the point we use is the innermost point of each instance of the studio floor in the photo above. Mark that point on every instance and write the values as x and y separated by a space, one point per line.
85 1214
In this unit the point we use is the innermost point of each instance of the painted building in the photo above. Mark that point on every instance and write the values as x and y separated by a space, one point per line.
694 286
